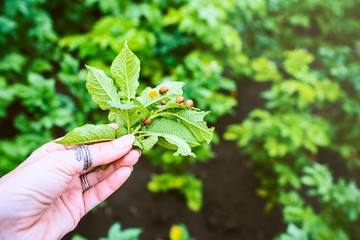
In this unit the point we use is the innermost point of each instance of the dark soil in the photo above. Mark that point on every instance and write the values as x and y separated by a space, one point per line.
231 208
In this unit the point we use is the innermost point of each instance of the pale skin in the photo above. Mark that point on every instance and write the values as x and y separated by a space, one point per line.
43 198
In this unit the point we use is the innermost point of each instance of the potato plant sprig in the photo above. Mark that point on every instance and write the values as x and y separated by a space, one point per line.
158 115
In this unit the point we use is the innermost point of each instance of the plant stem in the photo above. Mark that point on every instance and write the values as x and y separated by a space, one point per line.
128 122
136 129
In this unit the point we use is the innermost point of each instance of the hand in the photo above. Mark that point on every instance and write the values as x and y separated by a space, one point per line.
43 197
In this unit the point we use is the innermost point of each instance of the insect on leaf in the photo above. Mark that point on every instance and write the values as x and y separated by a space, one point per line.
175 90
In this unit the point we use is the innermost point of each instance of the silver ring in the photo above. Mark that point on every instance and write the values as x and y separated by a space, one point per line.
82 153
84 183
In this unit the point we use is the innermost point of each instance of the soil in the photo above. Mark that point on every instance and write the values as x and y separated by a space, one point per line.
231 209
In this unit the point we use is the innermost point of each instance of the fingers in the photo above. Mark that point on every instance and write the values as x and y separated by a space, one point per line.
113 125
105 188
129 160
43 151
101 153
104 153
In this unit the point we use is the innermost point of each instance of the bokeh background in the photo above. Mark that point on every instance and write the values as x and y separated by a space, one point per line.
280 77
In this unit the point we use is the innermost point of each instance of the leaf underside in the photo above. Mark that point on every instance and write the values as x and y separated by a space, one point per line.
194 121
125 70
173 127
146 144
182 147
122 106
88 134
101 88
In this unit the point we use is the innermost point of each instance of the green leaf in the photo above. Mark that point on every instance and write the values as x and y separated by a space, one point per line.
173 142
88 134
122 119
138 144
100 87
175 90
112 115
78 237
128 115
165 126
142 107
115 232
265 70
12 62
297 61
194 121
122 106
125 69
121 131
172 105
146 144
127 118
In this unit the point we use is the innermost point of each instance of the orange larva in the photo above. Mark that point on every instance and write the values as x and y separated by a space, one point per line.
189 103
164 89
147 121
180 99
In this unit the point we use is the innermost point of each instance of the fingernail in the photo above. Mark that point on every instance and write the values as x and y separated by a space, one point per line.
124 141
139 152
132 168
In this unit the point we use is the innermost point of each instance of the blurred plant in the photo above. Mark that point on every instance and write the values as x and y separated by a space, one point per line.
180 232
186 183
312 103
340 200
34 105
177 232
116 233
286 137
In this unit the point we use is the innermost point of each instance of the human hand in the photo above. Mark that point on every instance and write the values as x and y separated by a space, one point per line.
43 197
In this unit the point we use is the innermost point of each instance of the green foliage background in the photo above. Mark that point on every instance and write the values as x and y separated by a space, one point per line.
308 52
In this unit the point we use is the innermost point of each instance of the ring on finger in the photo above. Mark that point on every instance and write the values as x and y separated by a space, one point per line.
84 183
82 153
